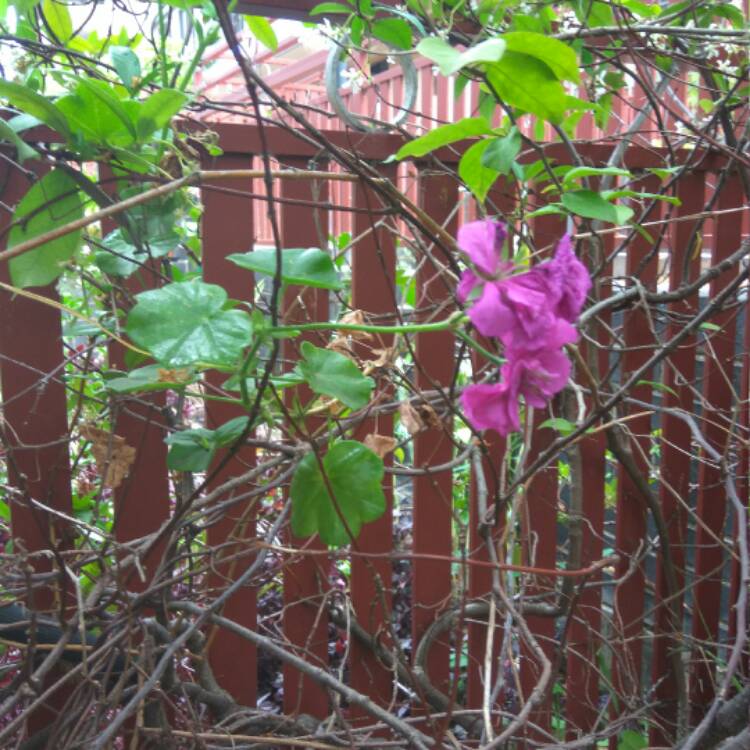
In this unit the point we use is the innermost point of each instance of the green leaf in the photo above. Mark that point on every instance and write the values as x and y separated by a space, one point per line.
444 135
230 432
579 172
394 32
105 94
631 740
304 266
156 111
450 60
645 10
262 31
592 205
525 82
501 152
563 426
150 378
330 8
96 114
51 202
332 374
709 327
353 475
190 450
594 13
26 100
154 225
58 19
556 55
126 63
185 323
24 150
658 386
478 178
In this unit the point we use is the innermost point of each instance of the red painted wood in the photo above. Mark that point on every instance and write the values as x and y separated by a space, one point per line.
712 501
142 501
35 433
305 580
676 459
227 227
584 638
373 290
630 531
433 494
35 421
539 518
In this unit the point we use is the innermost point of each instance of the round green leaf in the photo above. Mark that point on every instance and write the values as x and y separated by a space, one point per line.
51 202
333 374
185 323
304 266
354 474
592 205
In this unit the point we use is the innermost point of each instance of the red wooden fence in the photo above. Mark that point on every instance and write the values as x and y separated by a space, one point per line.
33 354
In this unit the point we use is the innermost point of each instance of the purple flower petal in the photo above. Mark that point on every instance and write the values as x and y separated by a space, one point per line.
466 285
572 277
482 241
491 407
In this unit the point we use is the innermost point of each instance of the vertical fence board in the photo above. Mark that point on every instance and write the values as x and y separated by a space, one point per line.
35 430
676 460
584 637
630 532
373 292
142 500
716 421
227 227
539 520
34 411
305 580
433 493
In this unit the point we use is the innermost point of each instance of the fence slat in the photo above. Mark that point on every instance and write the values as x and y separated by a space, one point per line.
539 523
142 500
306 580
34 409
630 532
676 460
433 493
373 292
227 227
718 392
588 478
35 431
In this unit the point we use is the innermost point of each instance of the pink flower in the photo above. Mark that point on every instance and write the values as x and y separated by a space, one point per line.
482 241
491 407
572 277
520 311
531 313
537 376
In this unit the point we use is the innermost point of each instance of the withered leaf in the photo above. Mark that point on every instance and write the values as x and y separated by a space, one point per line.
112 454
410 418
380 444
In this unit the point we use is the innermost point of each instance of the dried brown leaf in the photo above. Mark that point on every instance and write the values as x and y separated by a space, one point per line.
410 418
112 454
380 444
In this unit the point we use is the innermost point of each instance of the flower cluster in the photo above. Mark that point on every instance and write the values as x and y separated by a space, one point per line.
532 315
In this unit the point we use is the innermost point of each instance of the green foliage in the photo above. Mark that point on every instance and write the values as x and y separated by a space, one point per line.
51 203
186 323
262 31
308 267
194 449
332 374
444 135
344 486
450 60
